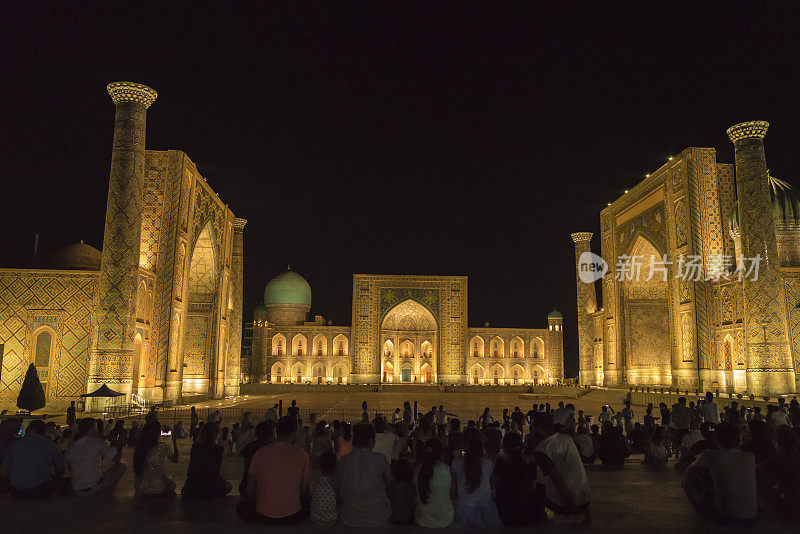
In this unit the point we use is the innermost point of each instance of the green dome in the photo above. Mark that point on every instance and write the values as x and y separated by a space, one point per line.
785 201
555 314
260 313
288 288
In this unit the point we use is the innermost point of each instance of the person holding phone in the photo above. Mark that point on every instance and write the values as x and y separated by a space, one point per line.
148 462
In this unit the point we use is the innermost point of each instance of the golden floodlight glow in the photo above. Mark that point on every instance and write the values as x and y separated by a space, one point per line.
647 176
670 158
626 191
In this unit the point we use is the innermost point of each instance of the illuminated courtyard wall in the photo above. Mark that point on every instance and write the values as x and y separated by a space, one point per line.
406 329
159 315
711 331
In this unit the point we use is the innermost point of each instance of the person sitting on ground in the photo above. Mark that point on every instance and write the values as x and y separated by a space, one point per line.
118 434
206 463
263 436
133 434
513 480
721 483
707 429
151 416
709 410
564 488
384 438
400 448
612 449
320 442
420 437
778 480
777 417
585 445
323 497
655 452
33 465
178 430
84 457
224 439
759 441
693 436
344 444
494 441
595 435
452 441
474 506
148 462
278 480
401 491
9 434
361 478
433 483
638 438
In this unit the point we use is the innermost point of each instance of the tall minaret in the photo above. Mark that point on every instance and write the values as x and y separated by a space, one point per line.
113 325
587 305
769 362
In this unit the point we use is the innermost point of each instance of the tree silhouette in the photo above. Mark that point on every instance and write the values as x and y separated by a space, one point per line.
31 396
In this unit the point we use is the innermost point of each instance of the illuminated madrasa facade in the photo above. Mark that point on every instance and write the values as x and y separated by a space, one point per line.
405 329
157 314
723 329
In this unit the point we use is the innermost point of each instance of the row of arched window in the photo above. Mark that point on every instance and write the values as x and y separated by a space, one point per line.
497 348
407 350
318 347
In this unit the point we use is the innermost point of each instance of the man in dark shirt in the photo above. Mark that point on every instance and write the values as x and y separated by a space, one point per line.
294 411
262 438
71 414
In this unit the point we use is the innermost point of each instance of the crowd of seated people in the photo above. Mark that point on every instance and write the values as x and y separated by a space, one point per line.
430 470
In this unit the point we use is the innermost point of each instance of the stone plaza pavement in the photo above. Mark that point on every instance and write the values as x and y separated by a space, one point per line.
633 500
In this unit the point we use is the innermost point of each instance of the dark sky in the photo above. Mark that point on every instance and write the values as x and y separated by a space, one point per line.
436 139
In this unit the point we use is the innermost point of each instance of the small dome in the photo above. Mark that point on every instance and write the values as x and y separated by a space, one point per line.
77 257
287 288
260 313
785 201
555 314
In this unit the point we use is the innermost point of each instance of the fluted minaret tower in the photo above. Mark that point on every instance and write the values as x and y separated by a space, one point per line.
587 305
113 321
769 362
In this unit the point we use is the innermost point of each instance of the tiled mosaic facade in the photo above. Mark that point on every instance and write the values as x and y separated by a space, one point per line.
406 329
168 268
704 332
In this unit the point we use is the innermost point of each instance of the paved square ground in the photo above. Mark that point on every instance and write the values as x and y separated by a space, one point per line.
633 500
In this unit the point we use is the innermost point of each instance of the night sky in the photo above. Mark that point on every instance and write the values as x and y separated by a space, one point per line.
427 140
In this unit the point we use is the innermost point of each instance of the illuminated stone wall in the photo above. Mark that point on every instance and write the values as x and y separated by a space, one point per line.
174 297
34 301
407 329
694 333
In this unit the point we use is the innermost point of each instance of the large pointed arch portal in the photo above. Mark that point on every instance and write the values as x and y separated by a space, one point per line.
413 328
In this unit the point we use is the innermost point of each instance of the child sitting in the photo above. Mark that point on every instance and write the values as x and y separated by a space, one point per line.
323 496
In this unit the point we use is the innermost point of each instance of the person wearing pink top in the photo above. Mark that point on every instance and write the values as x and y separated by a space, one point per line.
278 480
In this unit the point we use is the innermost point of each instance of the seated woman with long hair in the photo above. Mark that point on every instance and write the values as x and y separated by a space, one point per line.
655 452
474 504
433 483
514 479
203 479
148 462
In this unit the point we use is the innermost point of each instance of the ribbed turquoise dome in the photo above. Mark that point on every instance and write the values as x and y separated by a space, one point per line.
785 201
555 314
287 288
